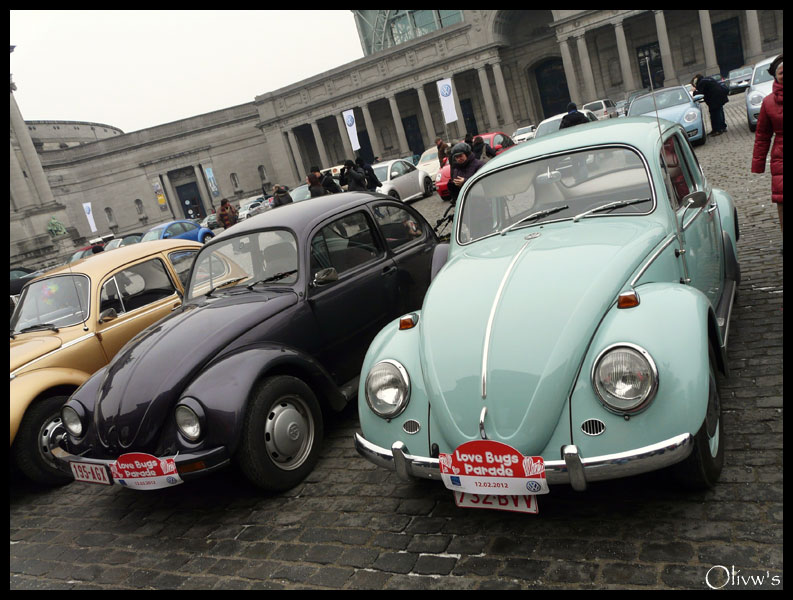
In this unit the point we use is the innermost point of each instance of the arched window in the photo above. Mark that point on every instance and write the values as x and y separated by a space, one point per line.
139 206
235 181
262 173
111 219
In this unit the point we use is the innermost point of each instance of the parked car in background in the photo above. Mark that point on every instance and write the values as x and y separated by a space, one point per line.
402 181
19 277
125 240
622 107
182 230
630 96
210 221
86 251
252 206
523 134
603 109
761 86
591 342
278 314
674 104
551 124
497 140
428 162
740 79
69 322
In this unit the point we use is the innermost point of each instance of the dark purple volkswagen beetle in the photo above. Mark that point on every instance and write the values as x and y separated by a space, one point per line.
278 314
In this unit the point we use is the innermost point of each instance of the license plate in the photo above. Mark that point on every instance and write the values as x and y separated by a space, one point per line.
90 473
523 504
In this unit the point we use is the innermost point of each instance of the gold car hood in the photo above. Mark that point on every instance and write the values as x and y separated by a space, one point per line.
29 347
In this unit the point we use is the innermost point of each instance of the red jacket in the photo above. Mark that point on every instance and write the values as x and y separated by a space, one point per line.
769 124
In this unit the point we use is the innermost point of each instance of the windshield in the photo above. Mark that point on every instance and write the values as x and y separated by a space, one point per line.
60 301
663 99
381 172
547 127
594 106
154 234
431 154
578 180
740 73
299 193
245 259
761 74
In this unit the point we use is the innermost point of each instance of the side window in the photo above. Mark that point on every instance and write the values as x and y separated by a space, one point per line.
679 177
343 244
182 261
398 225
143 284
109 298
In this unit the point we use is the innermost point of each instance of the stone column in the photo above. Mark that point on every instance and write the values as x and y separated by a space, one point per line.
374 140
203 192
586 69
569 72
404 149
21 196
30 156
488 94
754 45
628 83
670 76
170 196
460 122
426 115
345 139
711 63
503 97
299 165
323 155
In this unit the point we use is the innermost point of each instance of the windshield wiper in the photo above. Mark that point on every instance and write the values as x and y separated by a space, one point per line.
536 215
275 277
38 326
615 204
209 293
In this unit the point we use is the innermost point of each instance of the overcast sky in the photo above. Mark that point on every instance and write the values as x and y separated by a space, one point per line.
138 69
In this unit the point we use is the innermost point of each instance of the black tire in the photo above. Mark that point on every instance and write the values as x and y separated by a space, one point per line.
428 189
395 195
704 138
35 438
208 237
281 435
701 470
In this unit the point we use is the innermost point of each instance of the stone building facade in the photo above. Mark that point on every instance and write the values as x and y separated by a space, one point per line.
508 68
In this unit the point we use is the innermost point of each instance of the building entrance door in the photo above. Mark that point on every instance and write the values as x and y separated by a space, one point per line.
190 201
729 50
651 52
365 151
468 118
413 135
552 87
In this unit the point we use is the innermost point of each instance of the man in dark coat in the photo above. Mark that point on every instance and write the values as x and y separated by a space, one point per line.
352 177
716 96
327 181
463 165
372 182
280 196
573 117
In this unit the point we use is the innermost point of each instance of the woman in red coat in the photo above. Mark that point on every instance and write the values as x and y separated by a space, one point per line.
769 123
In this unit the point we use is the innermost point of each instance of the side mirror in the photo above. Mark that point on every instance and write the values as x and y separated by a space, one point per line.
695 200
107 315
699 98
498 148
166 235
325 276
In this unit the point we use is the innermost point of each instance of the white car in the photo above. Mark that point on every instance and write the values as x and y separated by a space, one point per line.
403 181
551 124
603 109
524 134
759 88
429 162
252 207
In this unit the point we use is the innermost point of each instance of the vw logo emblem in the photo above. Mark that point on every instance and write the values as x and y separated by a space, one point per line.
293 431
350 120
446 90
533 486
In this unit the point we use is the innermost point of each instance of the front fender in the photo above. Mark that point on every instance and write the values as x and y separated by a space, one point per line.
28 386
672 324
224 387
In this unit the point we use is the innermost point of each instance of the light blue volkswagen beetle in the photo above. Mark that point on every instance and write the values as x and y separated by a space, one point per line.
575 327
675 104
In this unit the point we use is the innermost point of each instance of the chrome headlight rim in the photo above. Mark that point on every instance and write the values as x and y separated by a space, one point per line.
400 406
690 116
604 396
756 98
189 407
75 412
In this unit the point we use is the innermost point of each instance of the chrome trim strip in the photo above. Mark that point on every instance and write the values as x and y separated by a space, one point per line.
492 316
692 219
128 319
672 238
62 347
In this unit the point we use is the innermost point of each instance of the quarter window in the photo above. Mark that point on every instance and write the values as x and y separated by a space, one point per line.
679 178
182 261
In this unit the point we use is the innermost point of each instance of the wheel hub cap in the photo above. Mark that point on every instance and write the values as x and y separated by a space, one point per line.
288 434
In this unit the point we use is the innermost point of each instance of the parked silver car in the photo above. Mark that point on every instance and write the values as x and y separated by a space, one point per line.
603 109
740 79
402 180
762 81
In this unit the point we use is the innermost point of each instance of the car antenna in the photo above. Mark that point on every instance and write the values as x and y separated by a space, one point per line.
652 95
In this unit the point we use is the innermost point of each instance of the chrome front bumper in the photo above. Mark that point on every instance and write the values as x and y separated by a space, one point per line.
572 468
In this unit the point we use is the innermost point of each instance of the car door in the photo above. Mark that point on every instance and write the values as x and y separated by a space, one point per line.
351 310
174 230
140 294
410 240
404 184
704 250
189 231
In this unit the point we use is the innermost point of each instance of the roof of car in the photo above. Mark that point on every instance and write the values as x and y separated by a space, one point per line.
105 261
561 115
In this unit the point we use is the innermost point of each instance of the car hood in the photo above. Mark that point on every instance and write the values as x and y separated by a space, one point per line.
26 348
147 376
671 113
764 88
560 286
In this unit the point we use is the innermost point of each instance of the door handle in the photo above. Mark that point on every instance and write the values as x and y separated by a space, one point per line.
712 207
389 270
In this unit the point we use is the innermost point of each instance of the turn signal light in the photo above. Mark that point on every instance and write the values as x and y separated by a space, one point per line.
190 467
408 321
628 299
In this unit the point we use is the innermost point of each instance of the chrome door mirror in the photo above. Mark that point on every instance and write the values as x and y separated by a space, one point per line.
107 315
325 276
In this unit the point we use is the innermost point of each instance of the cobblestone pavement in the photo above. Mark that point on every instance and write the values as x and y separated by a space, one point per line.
352 525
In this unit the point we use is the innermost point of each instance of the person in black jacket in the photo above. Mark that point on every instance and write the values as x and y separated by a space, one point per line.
353 177
573 117
327 181
716 96
372 182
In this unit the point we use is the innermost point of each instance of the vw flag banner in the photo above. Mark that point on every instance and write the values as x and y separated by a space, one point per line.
352 132
89 215
447 100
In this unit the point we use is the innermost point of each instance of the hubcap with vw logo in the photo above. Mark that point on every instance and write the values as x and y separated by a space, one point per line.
289 433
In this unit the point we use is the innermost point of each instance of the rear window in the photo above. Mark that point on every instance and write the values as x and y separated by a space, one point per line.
594 105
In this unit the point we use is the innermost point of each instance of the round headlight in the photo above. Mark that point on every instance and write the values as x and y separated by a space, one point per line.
756 99
625 378
71 420
188 422
438 177
387 389
690 116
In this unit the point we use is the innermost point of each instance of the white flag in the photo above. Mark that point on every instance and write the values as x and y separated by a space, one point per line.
352 132
89 215
447 100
